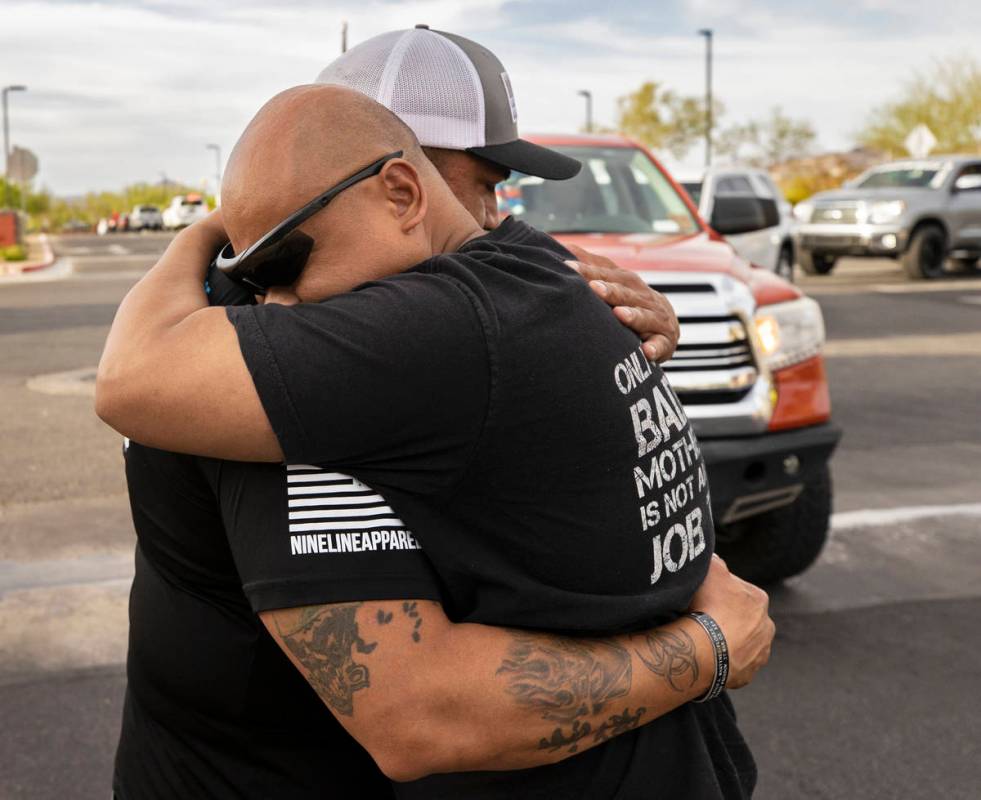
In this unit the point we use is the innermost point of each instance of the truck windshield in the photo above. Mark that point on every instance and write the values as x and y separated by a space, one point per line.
619 190
911 176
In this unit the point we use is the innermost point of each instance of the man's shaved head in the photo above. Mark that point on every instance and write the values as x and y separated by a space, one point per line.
302 142
310 138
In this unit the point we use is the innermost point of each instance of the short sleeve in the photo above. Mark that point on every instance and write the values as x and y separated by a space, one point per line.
394 377
307 536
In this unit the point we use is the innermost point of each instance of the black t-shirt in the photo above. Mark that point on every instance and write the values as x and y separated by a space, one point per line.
213 707
546 468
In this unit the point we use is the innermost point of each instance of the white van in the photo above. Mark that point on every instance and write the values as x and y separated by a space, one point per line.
184 210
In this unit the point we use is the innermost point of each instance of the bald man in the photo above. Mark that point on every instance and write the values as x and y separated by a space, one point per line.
209 694
517 483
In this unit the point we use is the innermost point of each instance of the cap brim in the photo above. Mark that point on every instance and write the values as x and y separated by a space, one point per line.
531 159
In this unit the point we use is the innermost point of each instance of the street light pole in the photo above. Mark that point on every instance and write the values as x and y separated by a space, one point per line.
707 33
6 142
589 108
217 149
344 36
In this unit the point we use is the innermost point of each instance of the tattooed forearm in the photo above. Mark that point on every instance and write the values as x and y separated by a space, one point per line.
614 726
563 678
325 639
671 656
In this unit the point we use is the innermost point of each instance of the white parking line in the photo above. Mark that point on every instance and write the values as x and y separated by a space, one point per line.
875 517
943 344
940 286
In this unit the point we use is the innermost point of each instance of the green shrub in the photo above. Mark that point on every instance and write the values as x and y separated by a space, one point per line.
15 252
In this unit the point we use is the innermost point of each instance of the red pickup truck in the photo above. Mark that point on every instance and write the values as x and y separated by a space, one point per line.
748 367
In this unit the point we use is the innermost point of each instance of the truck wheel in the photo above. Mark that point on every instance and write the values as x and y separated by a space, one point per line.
779 544
814 264
924 258
785 263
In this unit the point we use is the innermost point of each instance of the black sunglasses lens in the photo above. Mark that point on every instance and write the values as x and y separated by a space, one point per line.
279 264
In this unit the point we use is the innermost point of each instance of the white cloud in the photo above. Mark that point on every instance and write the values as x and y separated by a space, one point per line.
122 93
119 93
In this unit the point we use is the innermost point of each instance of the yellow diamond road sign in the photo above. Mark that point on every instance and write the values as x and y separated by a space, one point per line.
920 141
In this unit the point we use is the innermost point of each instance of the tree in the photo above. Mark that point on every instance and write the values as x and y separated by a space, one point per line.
663 119
767 142
946 98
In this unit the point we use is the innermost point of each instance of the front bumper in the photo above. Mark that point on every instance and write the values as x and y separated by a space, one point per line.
852 240
754 474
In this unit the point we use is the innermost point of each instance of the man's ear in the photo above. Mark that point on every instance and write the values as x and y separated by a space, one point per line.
405 193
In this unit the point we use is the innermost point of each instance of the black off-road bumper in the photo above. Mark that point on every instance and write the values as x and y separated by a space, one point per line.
754 474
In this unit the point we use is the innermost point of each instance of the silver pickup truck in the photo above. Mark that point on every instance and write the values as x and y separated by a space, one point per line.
920 212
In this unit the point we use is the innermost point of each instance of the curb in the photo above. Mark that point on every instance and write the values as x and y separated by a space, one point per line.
47 259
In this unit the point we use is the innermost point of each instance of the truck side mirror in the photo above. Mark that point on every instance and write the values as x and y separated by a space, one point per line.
968 183
743 213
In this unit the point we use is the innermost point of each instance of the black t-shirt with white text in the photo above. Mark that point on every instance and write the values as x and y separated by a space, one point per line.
547 471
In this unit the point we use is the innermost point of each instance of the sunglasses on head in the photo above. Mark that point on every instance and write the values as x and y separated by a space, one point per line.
279 257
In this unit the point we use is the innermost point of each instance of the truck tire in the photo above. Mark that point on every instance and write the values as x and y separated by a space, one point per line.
814 263
779 544
924 258
785 262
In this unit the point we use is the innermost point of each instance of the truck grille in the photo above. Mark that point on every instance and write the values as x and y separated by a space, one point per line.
840 213
714 362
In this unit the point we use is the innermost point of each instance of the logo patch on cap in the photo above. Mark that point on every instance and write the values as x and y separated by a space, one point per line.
510 94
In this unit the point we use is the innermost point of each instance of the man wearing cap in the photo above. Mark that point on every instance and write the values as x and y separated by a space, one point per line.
384 354
457 97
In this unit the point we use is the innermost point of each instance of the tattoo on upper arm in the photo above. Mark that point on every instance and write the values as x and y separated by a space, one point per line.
325 640
410 609
568 679
670 655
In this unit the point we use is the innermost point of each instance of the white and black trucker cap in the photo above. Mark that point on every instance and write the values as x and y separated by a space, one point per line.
452 92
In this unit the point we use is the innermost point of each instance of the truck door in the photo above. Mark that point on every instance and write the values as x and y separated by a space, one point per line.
965 208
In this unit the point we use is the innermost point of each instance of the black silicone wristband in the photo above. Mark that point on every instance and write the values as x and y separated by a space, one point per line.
718 638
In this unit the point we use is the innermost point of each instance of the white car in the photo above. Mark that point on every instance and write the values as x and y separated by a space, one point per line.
184 210
145 218
771 247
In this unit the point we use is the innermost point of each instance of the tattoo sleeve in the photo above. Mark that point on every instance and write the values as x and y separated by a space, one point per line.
671 656
569 681
325 640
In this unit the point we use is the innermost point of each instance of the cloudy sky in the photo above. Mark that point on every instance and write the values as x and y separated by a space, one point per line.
127 91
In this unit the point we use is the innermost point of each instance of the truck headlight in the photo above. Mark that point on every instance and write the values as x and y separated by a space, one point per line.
790 332
882 212
803 211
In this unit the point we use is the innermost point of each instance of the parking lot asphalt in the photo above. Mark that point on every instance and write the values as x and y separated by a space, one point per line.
870 690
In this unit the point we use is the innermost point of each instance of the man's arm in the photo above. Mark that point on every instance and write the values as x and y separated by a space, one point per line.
424 695
172 374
